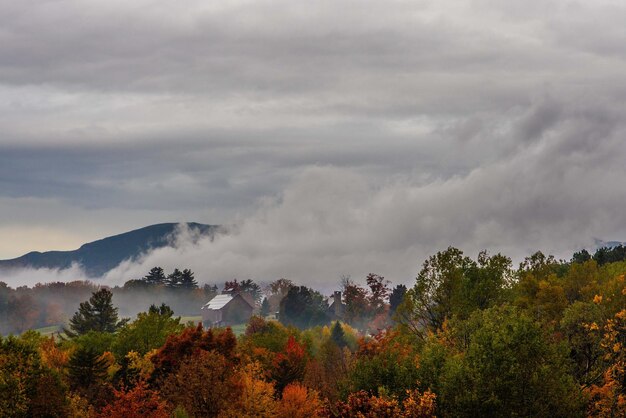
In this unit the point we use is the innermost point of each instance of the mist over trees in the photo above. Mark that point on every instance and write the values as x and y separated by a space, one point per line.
469 337
52 304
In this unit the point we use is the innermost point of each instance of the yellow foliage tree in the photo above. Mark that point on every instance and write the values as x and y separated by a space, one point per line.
608 399
298 401
257 396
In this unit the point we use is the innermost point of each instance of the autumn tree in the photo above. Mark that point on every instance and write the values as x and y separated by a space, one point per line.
539 289
204 385
365 405
27 386
257 395
137 402
361 404
189 343
327 372
289 365
608 396
299 401
379 292
357 310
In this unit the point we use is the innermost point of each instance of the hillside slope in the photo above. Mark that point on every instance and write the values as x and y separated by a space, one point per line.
100 256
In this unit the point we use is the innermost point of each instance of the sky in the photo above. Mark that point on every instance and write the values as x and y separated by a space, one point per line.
335 137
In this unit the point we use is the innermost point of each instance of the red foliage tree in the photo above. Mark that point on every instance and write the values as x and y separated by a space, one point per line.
192 341
205 385
289 366
136 403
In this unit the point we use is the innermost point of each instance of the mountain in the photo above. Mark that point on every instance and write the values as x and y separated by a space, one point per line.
100 256
607 244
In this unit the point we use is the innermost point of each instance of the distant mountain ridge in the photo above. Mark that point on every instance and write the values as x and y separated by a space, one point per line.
98 257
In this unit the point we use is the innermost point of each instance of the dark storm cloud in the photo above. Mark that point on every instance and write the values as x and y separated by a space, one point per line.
392 129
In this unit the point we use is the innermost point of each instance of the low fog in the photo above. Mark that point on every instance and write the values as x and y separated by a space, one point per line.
330 143
556 191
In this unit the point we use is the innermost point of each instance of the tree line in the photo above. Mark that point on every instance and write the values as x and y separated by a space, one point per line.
469 337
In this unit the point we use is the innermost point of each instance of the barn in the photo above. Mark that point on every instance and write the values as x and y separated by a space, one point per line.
225 310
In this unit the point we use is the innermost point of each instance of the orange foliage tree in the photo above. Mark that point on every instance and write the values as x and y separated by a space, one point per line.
190 342
257 395
363 405
205 384
609 398
298 401
136 403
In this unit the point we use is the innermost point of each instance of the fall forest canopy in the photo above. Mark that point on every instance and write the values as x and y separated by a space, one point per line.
469 337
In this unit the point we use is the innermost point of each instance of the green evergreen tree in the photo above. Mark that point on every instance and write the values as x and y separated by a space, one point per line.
86 368
174 279
187 280
156 276
338 336
96 314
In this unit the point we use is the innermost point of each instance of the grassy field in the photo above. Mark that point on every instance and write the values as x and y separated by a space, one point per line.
48 331
194 319
238 329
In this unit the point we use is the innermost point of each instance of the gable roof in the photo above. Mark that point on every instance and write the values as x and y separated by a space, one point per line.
218 302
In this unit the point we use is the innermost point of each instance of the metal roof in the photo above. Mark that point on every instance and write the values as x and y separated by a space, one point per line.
218 302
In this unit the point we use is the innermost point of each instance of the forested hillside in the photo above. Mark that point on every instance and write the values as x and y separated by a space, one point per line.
469 337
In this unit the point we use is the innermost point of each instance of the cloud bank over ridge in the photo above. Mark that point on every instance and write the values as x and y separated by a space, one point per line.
338 143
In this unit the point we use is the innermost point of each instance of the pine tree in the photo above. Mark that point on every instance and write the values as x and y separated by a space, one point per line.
338 336
174 279
86 368
156 276
187 280
96 314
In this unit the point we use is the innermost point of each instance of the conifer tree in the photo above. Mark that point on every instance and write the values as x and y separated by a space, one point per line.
156 276
96 314
187 280
174 279
338 336
86 368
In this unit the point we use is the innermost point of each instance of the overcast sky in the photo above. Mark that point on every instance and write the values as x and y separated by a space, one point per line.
341 137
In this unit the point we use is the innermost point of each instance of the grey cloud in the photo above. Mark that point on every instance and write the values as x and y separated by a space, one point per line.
333 221
390 129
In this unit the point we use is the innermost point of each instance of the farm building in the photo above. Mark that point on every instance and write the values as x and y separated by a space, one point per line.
224 310
337 308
